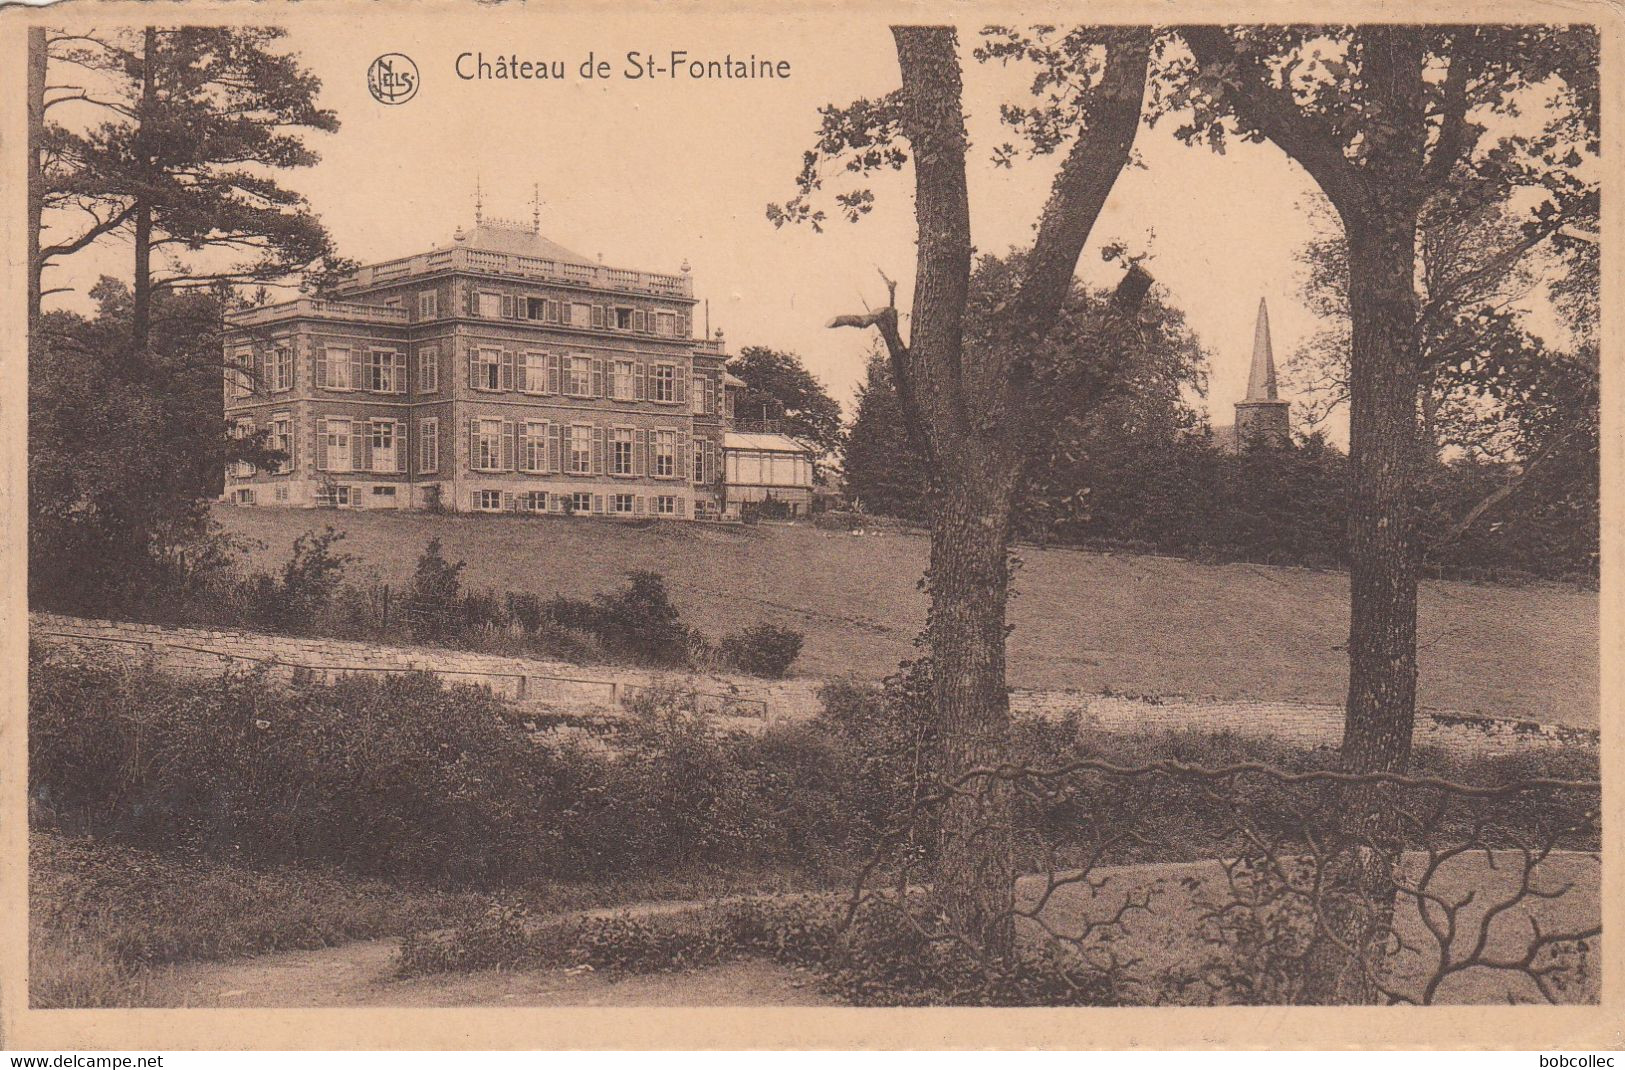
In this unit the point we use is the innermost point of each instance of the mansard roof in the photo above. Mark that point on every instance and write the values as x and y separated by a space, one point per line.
513 239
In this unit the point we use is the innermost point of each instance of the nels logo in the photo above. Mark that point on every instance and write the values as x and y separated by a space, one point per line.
393 78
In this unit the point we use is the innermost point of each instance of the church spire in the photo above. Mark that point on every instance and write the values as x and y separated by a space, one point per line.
1261 380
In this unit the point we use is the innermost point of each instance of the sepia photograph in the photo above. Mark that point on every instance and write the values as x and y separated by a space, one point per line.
700 510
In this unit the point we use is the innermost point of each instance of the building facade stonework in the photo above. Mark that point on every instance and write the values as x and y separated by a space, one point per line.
497 373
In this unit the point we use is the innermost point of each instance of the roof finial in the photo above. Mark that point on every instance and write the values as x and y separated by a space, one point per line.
479 203
536 208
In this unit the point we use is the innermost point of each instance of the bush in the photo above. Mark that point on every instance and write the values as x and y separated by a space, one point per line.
294 601
431 600
764 650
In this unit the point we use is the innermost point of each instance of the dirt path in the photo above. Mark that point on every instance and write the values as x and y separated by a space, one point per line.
361 975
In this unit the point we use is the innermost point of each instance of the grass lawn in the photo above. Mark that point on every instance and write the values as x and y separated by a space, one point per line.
1091 621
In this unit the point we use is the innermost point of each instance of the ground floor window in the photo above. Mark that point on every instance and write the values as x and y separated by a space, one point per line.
620 503
666 504
531 501
384 492
280 492
245 496
488 500
580 502
333 495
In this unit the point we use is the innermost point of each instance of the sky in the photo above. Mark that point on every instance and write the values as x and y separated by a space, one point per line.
653 173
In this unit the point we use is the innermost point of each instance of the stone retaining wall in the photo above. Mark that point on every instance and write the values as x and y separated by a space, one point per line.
560 686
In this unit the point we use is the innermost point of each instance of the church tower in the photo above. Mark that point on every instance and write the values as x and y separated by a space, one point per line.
1263 414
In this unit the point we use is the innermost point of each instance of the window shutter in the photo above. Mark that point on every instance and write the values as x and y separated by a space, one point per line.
598 315
640 453
683 325
473 443
400 446
682 463
356 357
507 445
400 371
321 366
507 369
640 380
637 505
681 388
507 501
521 378
597 450
471 299
473 368
640 322
552 373
597 377
555 434
507 306
321 444
710 462
597 503
360 445
682 506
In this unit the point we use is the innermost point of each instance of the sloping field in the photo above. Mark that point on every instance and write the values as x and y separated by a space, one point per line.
1145 625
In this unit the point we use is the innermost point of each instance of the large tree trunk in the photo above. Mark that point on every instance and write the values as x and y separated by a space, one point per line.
1384 446
969 584
36 178
141 307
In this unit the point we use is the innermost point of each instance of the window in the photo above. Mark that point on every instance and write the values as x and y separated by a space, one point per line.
333 495
622 384
700 448
535 380
580 502
620 456
665 454
428 305
487 445
531 501
533 447
666 324
428 369
490 305
663 383
623 319
696 396
620 503
384 453
429 445
280 492
581 449
384 492
489 501
245 496
281 440
334 371
337 442
580 315
242 379
666 504
535 308
488 370
282 369
243 428
378 371
578 376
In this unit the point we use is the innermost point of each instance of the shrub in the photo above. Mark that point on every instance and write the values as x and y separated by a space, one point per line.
765 650
294 601
432 598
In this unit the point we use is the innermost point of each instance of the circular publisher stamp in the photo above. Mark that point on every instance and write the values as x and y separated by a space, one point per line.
393 78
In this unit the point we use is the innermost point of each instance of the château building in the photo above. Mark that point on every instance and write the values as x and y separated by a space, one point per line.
496 372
